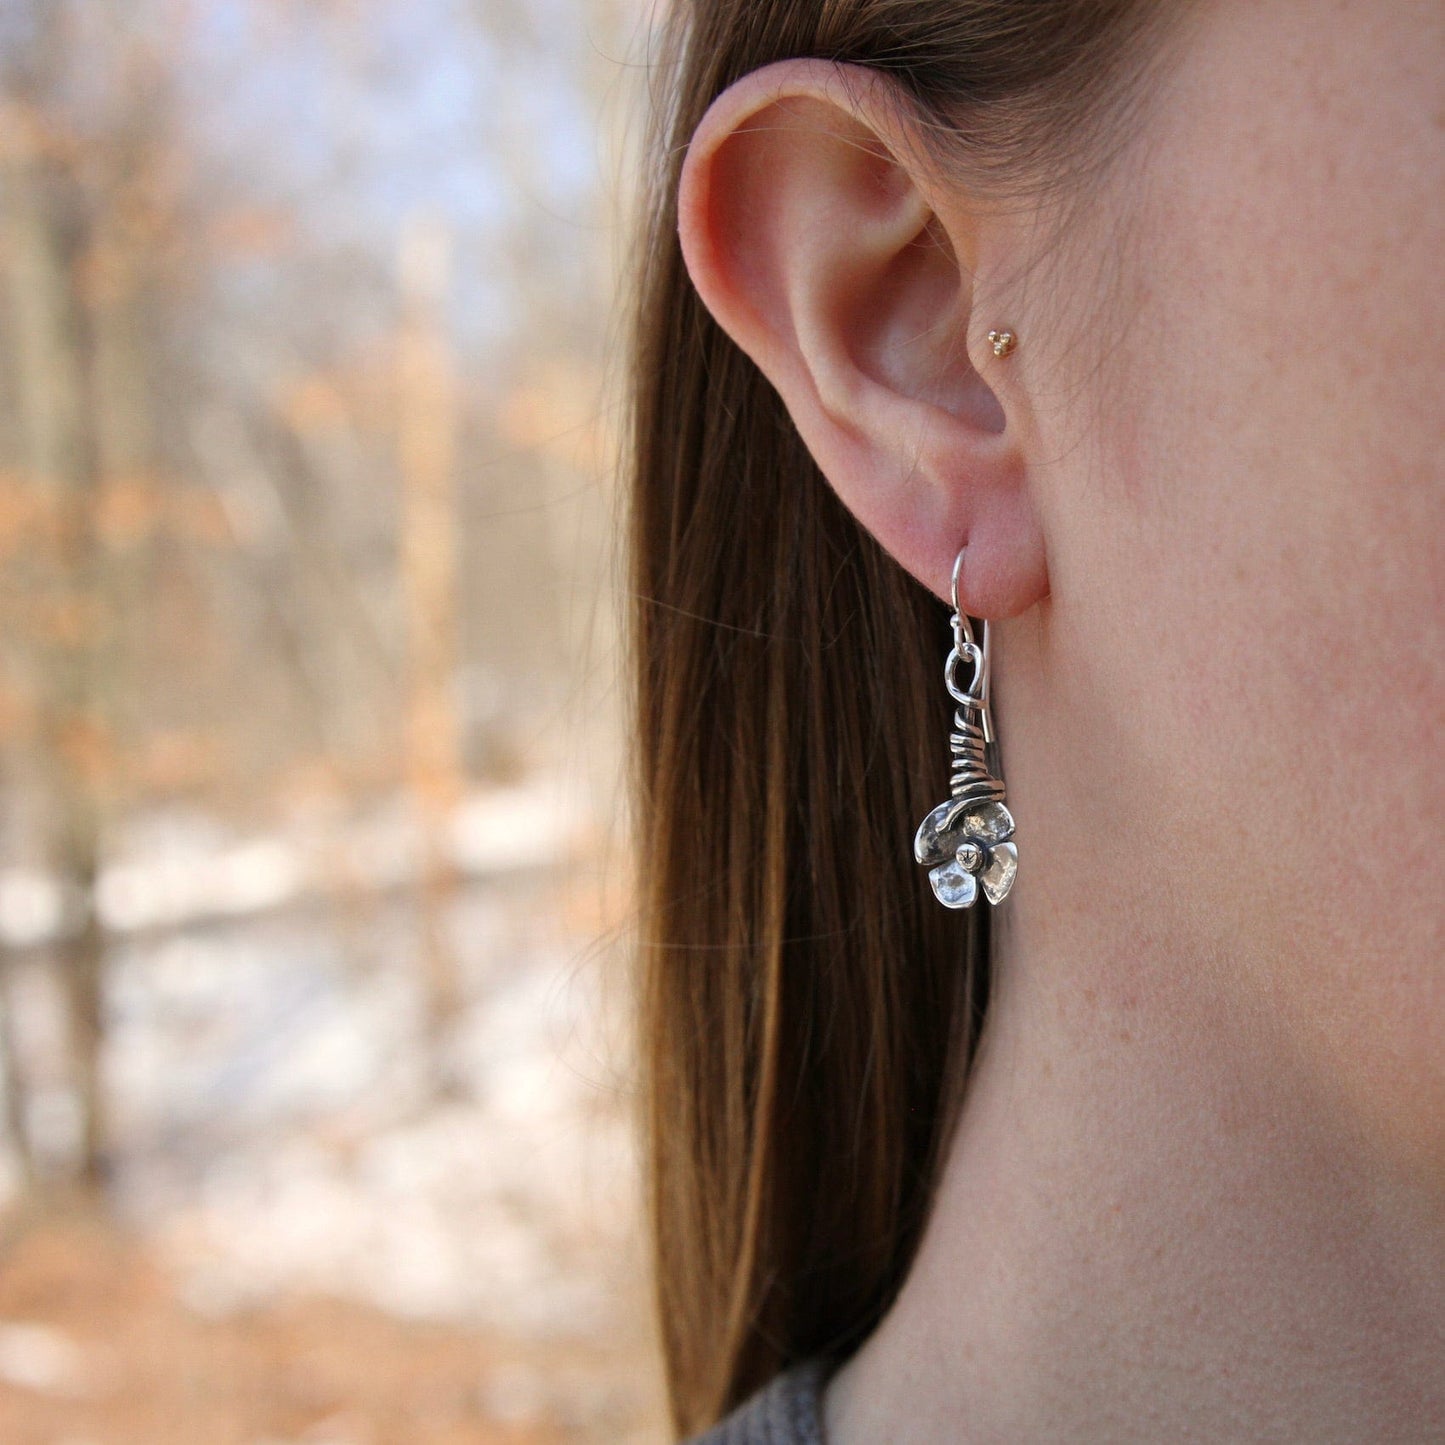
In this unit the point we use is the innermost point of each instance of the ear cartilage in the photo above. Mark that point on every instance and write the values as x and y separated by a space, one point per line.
1002 342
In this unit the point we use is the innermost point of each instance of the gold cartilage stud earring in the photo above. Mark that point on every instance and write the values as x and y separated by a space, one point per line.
1002 342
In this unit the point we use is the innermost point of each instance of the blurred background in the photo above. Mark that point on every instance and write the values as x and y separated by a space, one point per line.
314 1077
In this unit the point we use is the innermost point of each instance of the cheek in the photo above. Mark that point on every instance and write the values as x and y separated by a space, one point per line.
1266 536
1275 500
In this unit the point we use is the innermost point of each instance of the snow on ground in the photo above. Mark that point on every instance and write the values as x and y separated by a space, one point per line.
279 1125
179 869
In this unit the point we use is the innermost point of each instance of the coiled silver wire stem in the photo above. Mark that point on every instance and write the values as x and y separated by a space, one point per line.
972 780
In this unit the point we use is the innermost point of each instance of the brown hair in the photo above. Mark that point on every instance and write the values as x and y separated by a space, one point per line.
807 1010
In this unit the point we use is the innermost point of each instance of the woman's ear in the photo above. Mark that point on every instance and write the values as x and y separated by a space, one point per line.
824 244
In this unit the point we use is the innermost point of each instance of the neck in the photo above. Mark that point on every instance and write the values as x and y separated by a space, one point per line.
1152 1220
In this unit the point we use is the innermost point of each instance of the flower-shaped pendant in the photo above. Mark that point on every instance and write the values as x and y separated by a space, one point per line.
964 846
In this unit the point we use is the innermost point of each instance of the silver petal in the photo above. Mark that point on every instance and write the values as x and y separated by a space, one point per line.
989 822
955 887
998 877
932 843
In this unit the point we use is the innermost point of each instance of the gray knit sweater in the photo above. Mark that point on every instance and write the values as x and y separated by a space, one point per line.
789 1411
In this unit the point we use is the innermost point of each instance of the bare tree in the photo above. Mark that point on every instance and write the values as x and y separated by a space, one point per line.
46 235
426 458
77 218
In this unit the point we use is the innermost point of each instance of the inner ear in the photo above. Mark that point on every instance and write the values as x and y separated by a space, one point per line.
912 341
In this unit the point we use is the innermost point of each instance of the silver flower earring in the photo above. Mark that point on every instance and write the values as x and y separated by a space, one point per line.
964 843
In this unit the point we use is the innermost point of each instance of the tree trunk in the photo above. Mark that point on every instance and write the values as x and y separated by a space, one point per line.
45 229
426 448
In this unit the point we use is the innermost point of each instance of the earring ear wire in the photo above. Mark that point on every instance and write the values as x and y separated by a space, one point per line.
964 843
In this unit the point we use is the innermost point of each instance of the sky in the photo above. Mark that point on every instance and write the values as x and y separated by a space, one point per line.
356 117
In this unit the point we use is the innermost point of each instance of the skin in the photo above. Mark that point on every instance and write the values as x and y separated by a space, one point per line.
1198 1187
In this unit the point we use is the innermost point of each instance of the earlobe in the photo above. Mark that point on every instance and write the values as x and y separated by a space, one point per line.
821 239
